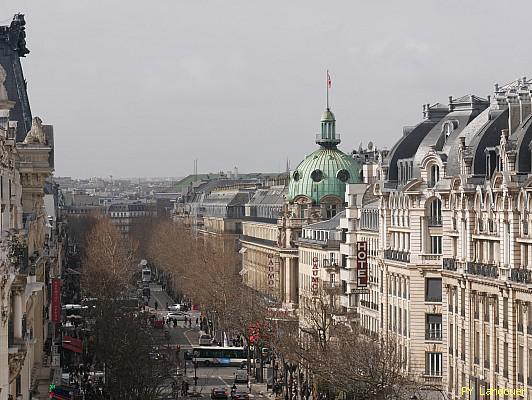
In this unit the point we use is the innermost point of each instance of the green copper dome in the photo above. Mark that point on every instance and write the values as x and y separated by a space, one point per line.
326 171
323 173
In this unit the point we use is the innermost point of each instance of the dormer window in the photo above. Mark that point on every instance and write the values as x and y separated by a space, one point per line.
434 175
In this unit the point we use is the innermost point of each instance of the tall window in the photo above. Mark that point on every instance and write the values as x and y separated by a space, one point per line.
434 175
435 213
433 289
433 364
435 245
433 327
331 211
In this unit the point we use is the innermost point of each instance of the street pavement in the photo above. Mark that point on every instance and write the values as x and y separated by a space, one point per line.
187 337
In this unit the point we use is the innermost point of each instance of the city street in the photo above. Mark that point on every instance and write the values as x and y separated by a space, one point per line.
187 337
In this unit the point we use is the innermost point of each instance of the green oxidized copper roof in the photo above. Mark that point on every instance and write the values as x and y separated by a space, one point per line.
330 161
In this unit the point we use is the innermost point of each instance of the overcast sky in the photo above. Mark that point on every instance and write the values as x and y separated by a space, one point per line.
142 88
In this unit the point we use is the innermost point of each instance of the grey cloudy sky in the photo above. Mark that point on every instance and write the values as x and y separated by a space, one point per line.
142 88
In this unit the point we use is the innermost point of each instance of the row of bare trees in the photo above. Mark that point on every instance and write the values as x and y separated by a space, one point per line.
339 356
122 340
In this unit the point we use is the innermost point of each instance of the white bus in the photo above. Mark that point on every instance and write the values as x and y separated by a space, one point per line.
218 356
146 274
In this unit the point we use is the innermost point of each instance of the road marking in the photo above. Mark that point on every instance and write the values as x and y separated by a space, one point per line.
186 336
223 380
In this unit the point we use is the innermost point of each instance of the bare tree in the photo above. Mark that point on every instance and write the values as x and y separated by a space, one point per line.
109 262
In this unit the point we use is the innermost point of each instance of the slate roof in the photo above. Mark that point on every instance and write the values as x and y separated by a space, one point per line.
329 225
12 48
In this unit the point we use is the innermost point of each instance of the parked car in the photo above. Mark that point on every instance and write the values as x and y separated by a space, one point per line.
205 340
174 307
241 376
219 393
240 396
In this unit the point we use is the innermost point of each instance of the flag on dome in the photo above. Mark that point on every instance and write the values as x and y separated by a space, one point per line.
328 79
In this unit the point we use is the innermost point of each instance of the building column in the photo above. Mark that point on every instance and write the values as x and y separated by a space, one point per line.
481 298
17 313
493 339
4 366
524 310
287 280
423 235
294 281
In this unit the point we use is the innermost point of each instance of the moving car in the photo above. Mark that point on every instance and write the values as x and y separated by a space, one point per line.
240 396
178 316
219 393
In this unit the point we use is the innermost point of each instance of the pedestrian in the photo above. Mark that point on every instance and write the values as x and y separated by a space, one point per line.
175 323
156 305
190 322
167 305
197 321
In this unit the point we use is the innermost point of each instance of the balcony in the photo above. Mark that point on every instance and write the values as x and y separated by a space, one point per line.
434 334
332 287
449 264
397 255
480 269
434 220
326 243
521 275
330 265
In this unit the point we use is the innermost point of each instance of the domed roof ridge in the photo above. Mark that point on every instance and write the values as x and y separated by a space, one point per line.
325 172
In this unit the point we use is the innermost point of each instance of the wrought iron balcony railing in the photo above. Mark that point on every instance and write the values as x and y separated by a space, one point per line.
449 264
434 220
487 270
397 255
521 275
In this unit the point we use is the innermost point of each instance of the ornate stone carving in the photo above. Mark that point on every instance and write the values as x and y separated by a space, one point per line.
36 134
3 91
16 361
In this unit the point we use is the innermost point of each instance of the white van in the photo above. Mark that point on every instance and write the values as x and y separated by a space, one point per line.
205 340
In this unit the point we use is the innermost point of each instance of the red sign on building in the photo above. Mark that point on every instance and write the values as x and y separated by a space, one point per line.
56 300
362 264
72 344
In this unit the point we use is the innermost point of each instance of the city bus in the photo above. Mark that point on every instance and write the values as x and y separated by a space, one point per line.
218 356
146 274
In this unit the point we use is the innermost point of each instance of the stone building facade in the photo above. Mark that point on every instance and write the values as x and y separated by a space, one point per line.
30 241
452 247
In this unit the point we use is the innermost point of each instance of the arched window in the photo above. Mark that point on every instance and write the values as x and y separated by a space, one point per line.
434 176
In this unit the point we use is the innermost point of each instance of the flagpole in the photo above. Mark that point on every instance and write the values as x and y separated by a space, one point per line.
327 86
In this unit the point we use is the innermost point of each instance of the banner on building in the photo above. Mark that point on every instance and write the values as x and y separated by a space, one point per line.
56 300
271 271
315 279
362 264
72 344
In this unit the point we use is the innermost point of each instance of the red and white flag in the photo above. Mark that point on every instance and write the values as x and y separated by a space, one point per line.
328 79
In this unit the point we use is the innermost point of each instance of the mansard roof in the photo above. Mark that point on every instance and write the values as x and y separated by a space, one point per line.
12 47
